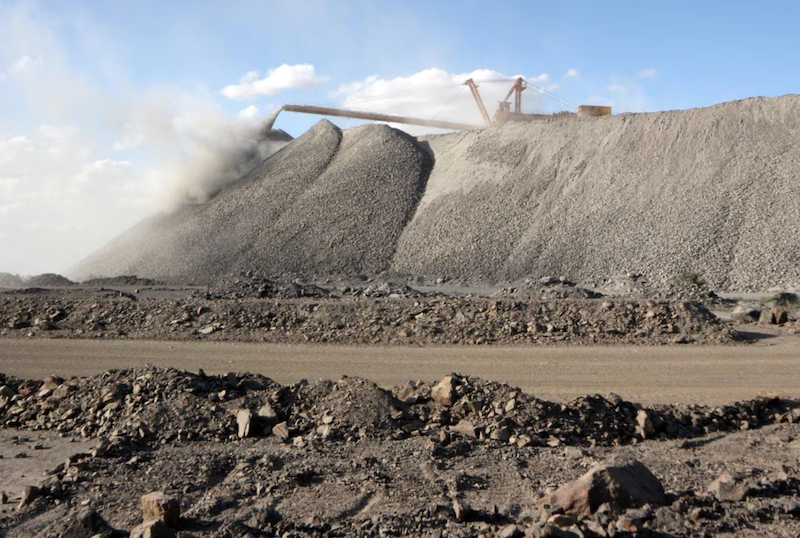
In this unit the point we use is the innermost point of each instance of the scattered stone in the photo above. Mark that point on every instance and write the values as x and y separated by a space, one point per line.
464 427
161 507
29 494
728 488
267 414
445 391
644 425
554 531
6 393
461 510
153 529
745 314
625 483
632 520
281 430
510 531
243 419
88 524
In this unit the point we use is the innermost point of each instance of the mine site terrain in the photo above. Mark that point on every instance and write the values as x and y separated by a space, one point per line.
572 328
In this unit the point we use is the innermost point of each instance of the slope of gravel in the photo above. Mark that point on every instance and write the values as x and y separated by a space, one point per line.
348 220
712 191
203 241
325 203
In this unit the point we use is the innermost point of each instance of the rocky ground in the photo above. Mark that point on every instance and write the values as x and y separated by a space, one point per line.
240 455
163 452
251 308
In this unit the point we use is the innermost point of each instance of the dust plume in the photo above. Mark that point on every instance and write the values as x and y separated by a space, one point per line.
196 149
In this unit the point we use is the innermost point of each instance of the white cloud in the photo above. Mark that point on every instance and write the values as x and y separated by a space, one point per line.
61 199
248 113
571 73
437 94
277 80
648 72
25 63
617 88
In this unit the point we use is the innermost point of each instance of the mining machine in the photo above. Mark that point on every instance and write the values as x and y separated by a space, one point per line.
504 113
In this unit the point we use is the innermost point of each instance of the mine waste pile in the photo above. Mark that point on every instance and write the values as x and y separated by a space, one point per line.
174 453
248 307
710 191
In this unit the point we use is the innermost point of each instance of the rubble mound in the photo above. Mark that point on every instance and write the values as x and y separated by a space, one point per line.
252 308
327 203
153 405
123 280
48 280
239 455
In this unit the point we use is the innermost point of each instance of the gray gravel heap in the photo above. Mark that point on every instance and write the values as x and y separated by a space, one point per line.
711 191
324 203
708 194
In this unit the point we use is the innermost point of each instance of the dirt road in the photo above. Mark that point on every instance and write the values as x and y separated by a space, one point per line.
674 374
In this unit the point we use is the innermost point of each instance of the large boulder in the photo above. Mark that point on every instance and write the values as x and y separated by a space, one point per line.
626 484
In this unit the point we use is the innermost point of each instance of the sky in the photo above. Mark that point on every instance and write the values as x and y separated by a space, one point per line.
113 110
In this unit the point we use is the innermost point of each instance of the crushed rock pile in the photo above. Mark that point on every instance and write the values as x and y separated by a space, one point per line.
708 192
298 313
8 280
122 280
327 203
239 455
249 284
152 406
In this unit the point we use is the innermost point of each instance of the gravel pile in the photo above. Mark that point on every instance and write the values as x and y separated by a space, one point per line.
48 280
708 195
325 203
709 191
8 280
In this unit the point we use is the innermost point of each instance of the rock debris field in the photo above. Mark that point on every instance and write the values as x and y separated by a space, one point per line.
574 231
251 308
183 454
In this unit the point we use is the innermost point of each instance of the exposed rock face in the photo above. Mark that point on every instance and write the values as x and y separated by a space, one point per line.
626 484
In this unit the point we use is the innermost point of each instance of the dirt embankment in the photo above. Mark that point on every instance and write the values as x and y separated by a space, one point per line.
404 317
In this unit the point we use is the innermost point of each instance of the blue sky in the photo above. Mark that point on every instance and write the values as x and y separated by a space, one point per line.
106 105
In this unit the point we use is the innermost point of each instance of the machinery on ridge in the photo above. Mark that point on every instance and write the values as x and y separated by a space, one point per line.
503 114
